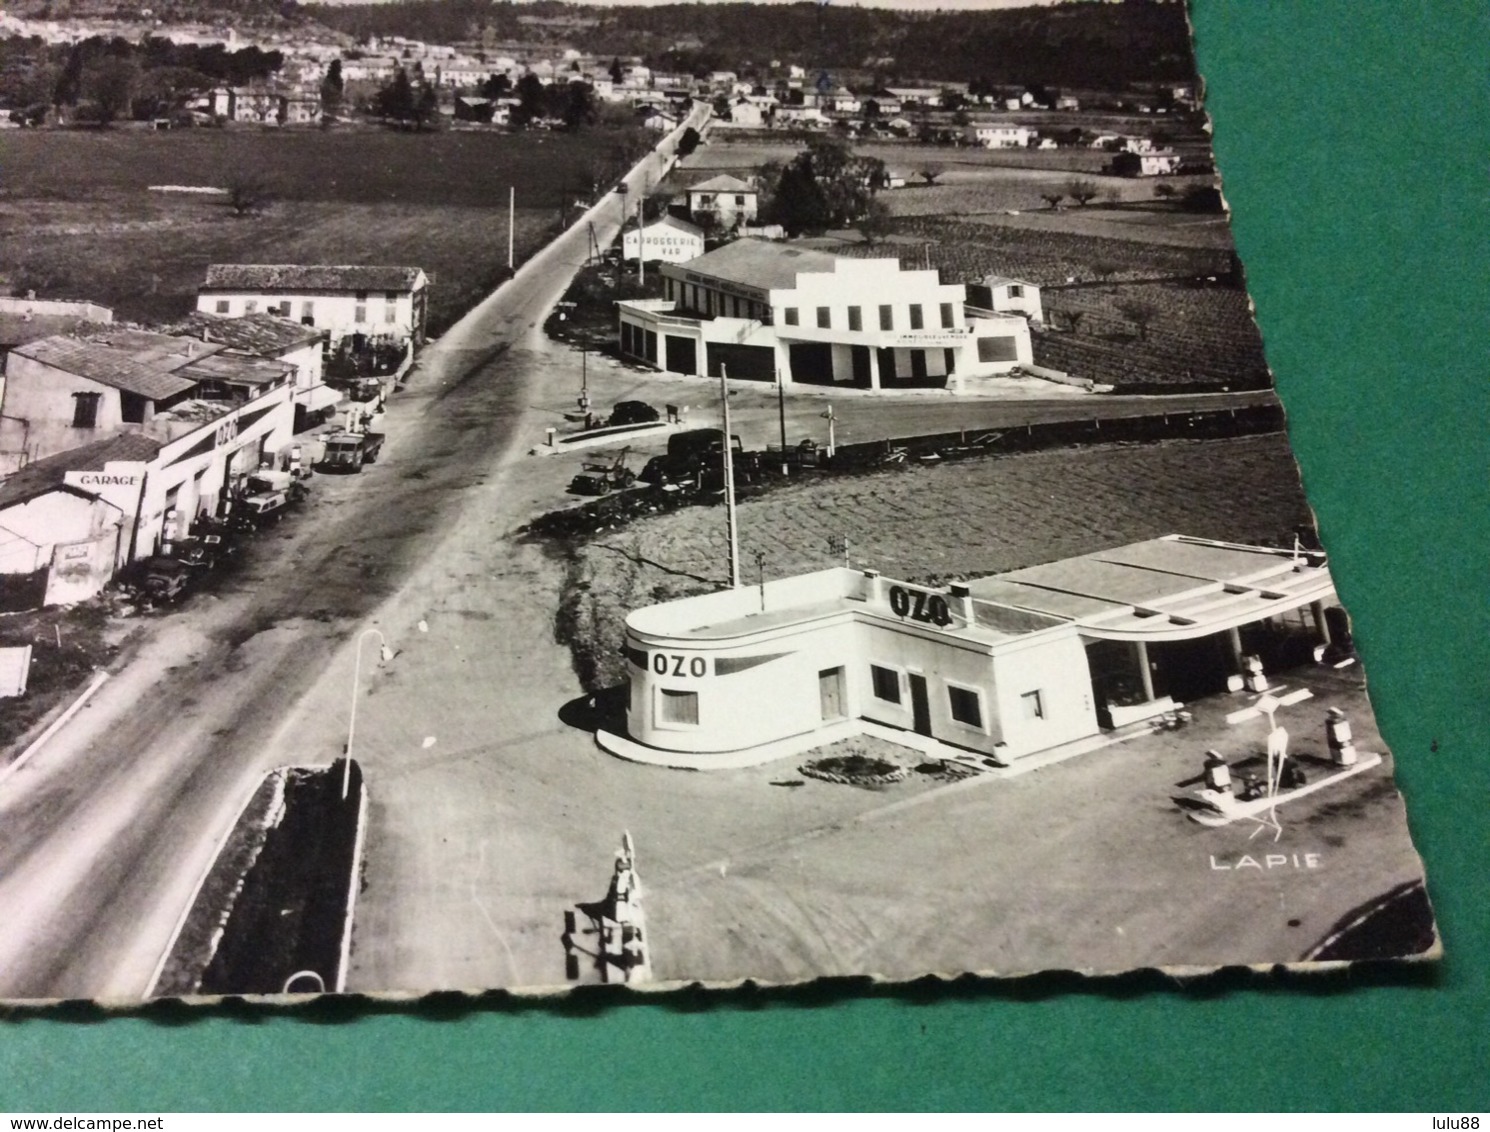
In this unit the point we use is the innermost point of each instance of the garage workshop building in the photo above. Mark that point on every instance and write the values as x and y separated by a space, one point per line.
1007 666
770 311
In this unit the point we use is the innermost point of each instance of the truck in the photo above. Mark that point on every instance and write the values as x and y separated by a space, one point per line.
348 451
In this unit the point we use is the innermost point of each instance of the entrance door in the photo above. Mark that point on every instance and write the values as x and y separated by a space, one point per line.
830 691
920 705
860 357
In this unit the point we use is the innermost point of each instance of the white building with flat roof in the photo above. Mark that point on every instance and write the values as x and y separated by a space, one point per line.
1006 666
770 311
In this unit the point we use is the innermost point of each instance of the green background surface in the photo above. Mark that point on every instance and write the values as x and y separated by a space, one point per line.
1353 140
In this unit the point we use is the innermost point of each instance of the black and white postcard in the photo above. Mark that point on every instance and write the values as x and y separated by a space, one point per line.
526 495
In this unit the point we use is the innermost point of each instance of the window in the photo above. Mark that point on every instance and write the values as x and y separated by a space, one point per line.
85 410
789 316
131 408
739 200
824 318
223 306
1032 705
391 296
250 305
390 312
948 321
359 313
966 705
1016 291
362 296
855 318
887 318
677 707
999 349
886 682
916 316
308 313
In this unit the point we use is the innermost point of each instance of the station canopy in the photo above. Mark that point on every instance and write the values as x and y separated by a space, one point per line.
1166 589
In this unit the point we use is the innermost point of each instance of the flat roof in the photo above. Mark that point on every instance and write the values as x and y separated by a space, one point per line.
761 264
1172 587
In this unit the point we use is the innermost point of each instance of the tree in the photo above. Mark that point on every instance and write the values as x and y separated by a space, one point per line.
111 83
688 142
1165 191
1082 191
871 110
426 108
532 101
69 86
930 171
617 75
877 221
249 191
1053 199
396 100
1203 198
1140 313
496 86
333 87
578 109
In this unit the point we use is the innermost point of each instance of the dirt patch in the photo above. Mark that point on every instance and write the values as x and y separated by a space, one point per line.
68 644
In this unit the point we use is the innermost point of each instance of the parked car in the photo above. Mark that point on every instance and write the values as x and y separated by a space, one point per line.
163 580
633 412
348 451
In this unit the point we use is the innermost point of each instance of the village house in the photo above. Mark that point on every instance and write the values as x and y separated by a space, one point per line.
748 113
1006 295
1005 667
66 391
364 303
66 521
280 340
1000 135
669 239
728 199
779 312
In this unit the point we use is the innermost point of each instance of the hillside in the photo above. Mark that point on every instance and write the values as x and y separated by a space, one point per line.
1079 44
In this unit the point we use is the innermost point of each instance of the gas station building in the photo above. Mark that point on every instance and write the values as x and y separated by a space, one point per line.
1007 666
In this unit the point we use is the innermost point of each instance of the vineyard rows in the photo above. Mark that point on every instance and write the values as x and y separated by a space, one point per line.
1183 335
964 252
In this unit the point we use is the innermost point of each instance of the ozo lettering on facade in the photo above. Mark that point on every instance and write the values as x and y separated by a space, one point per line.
671 664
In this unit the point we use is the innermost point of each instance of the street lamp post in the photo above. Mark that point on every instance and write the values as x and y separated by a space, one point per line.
385 654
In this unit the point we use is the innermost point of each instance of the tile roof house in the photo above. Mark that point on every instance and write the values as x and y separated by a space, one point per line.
728 199
388 302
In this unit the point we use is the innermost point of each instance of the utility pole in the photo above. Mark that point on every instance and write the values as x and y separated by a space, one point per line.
732 534
760 574
511 218
781 414
832 437
641 246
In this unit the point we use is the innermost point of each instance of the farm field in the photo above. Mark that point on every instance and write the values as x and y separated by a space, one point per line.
78 220
145 254
1154 333
932 524
965 251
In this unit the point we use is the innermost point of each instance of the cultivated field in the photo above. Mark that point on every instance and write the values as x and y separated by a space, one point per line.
78 219
932 524
1159 333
